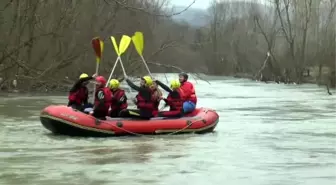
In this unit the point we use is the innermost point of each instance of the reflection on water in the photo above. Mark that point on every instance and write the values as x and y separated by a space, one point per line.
269 134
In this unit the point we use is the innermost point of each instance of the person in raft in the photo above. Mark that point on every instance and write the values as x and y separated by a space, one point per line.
144 100
188 89
157 95
103 100
174 99
79 93
119 98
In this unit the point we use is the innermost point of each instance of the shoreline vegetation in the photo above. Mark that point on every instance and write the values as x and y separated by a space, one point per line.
46 44
67 84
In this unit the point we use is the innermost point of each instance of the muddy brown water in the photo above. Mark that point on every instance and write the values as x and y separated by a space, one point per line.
268 134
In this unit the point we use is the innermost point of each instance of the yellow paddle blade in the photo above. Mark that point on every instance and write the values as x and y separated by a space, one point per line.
115 45
124 43
98 59
97 46
101 47
138 42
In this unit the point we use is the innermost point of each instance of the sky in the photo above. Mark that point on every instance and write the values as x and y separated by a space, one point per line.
202 4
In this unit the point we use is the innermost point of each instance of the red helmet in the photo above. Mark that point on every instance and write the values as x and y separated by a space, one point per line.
101 80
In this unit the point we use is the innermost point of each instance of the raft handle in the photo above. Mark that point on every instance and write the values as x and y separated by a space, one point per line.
97 121
119 124
189 123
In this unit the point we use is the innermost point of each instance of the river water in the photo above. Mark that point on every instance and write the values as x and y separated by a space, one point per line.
268 134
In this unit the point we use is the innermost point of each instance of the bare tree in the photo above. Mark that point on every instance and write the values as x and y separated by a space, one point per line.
46 43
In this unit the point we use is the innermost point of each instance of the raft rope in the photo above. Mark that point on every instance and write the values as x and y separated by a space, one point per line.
189 124
147 136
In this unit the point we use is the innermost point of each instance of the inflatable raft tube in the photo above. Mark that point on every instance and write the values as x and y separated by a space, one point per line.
67 121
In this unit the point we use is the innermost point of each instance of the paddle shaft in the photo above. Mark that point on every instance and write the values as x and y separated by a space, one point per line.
123 68
94 85
114 67
144 61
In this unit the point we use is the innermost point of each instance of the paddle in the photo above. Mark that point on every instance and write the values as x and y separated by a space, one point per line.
98 47
138 41
124 43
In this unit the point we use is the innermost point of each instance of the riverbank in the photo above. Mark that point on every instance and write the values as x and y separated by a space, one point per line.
311 75
62 88
44 89
306 79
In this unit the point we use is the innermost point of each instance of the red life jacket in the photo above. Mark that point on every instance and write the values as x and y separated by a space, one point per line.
143 104
193 97
177 102
107 99
79 96
116 97
189 90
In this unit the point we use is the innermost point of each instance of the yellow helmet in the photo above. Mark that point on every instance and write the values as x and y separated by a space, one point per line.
83 75
175 84
148 80
114 84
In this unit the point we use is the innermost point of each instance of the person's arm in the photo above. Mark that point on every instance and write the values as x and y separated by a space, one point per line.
132 85
70 102
165 87
79 82
122 99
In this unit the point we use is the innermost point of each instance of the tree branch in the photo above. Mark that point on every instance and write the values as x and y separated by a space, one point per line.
124 4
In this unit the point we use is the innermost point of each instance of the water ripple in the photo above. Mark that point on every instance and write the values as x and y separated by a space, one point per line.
269 134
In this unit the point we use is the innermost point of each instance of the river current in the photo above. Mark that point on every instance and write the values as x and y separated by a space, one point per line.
268 134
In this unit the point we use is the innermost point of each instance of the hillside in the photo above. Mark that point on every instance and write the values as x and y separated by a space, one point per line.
199 17
193 16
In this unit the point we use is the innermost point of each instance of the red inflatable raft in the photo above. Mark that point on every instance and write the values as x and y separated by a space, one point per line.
67 121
